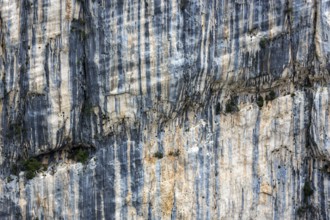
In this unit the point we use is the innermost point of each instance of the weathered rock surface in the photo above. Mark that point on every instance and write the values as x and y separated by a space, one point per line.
165 98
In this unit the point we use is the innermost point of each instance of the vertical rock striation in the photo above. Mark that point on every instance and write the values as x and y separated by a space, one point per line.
176 109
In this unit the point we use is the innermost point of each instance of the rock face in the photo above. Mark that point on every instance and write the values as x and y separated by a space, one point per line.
176 109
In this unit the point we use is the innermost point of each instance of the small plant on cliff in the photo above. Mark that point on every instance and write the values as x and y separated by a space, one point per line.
158 155
82 156
271 96
260 101
263 42
31 166
175 153
231 106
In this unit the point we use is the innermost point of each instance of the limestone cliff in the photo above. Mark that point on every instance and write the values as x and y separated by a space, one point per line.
164 109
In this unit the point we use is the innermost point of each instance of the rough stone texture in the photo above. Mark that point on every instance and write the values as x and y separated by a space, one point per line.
125 79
